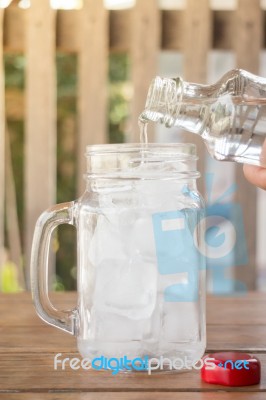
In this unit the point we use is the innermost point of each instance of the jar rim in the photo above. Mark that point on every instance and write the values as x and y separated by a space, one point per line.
142 161
186 150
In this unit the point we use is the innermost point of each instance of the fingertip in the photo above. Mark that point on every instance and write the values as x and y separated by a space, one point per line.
255 175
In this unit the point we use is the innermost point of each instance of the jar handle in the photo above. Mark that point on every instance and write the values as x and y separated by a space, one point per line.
59 214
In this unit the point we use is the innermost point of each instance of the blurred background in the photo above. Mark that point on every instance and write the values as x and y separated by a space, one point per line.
77 72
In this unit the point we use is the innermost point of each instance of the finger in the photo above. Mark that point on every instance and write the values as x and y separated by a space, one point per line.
255 175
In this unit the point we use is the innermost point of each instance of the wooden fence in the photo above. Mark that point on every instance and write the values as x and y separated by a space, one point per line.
91 33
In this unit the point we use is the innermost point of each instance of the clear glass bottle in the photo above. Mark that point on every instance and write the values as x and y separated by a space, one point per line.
141 273
230 115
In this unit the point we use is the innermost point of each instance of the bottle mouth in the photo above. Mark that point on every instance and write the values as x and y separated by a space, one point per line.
163 101
142 161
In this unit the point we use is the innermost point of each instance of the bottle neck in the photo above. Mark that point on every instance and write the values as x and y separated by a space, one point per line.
193 109
174 102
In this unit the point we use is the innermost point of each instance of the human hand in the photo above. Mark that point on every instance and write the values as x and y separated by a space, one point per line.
255 175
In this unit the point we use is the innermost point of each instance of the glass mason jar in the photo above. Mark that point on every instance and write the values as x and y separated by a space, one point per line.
141 272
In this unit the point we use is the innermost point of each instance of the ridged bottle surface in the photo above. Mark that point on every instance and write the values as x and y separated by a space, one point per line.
230 115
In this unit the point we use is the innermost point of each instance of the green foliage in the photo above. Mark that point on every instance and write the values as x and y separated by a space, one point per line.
58 285
66 67
66 164
118 67
9 278
16 137
14 71
119 94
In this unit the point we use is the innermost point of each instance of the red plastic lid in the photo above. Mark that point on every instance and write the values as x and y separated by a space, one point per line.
231 369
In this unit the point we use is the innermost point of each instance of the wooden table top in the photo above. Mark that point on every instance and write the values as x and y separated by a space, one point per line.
28 347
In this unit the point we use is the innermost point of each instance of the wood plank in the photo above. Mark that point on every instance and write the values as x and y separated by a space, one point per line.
247 45
26 298
213 395
223 27
14 29
197 43
45 339
119 30
243 310
15 104
247 309
248 34
92 85
28 315
12 223
145 44
2 142
27 357
35 339
68 34
36 373
40 119
232 329
233 337
172 30
197 40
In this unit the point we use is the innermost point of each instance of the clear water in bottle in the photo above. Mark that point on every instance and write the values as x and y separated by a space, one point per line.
230 115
